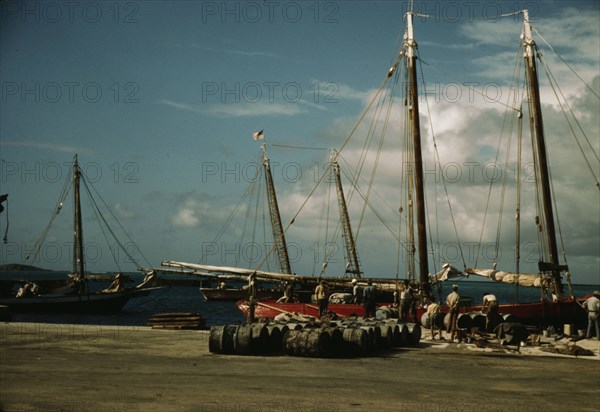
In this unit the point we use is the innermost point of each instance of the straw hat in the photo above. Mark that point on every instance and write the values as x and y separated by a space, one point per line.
596 293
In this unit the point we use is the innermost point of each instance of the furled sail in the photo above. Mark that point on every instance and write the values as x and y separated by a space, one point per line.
523 279
447 272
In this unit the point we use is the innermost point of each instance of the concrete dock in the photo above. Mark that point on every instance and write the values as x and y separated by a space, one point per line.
46 367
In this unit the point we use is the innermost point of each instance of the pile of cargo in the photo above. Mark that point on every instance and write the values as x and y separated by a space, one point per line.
340 338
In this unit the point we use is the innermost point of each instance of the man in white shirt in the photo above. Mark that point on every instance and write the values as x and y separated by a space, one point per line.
592 305
490 307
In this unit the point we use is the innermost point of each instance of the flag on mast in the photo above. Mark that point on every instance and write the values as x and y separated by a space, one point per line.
258 135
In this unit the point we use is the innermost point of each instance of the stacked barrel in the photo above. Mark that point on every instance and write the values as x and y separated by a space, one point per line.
345 338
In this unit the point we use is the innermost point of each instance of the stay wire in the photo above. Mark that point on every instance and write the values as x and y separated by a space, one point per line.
567 64
103 219
516 75
55 212
554 85
325 172
438 158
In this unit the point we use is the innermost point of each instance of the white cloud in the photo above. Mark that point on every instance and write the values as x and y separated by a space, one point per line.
192 212
180 106
241 109
123 212
249 109
46 146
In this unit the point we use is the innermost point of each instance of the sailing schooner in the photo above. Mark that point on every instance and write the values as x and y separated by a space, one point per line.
76 297
554 310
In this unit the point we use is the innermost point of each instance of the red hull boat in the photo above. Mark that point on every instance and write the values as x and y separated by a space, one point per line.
535 313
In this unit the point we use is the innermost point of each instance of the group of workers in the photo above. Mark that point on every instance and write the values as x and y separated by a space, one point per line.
367 297
406 302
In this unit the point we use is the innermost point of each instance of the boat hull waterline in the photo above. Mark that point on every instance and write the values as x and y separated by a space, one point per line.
535 313
87 303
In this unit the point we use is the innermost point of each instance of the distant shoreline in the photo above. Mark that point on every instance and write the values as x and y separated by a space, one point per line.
19 267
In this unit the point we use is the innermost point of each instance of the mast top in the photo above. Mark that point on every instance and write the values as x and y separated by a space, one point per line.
410 35
526 36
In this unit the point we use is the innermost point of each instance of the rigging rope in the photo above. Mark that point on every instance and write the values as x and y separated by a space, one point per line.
103 219
326 171
57 208
118 223
567 64
102 229
239 204
379 149
516 76
437 156
554 85
296 147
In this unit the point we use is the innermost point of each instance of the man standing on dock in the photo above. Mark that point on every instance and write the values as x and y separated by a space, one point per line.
433 309
452 301
405 301
490 308
322 296
592 306
369 299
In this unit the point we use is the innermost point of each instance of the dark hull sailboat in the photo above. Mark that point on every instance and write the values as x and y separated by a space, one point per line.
97 303
75 296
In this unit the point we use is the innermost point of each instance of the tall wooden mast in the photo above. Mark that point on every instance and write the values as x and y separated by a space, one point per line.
353 265
78 257
277 227
411 62
534 98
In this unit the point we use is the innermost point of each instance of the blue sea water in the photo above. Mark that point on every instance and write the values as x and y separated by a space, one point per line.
188 299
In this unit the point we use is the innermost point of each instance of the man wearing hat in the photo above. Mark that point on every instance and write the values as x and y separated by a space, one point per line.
592 306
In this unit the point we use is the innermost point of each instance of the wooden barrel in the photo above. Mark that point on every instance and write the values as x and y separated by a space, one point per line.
335 334
260 338
396 337
221 339
373 335
507 317
385 312
295 326
275 338
283 328
356 341
427 320
337 340
307 342
242 340
385 337
404 335
478 320
494 321
414 334
463 321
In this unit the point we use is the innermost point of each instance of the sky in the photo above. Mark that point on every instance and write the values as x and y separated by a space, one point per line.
159 99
